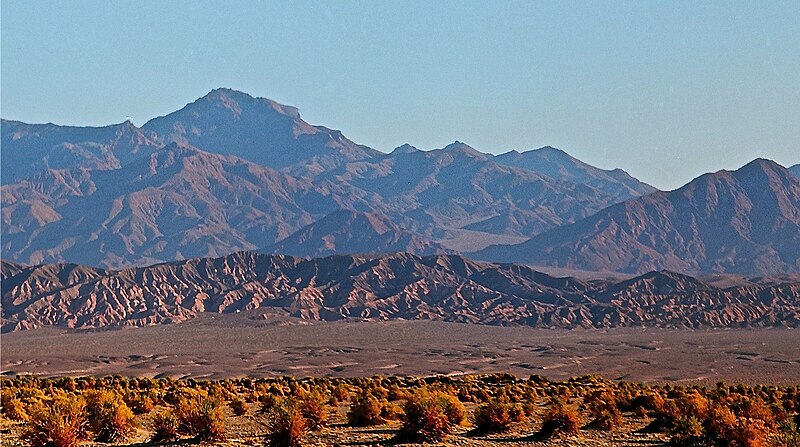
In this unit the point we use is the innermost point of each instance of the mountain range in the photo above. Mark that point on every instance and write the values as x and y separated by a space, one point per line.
230 172
391 286
740 221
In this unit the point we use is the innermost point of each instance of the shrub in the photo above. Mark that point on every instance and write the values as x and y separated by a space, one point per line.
165 426
687 431
239 406
493 417
109 416
603 408
313 408
453 409
788 435
60 423
14 409
560 419
365 411
286 424
202 418
425 418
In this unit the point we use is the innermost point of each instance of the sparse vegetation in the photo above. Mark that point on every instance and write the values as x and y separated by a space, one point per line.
65 412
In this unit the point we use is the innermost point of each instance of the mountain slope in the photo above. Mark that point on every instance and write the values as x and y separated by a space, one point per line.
400 285
256 129
745 221
795 170
345 231
176 203
556 163
458 187
31 148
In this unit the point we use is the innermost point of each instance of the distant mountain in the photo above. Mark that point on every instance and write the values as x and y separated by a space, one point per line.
459 188
795 170
346 232
28 149
396 286
256 129
150 202
556 163
745 221
176 203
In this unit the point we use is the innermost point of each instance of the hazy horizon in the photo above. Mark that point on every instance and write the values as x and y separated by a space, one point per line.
667 91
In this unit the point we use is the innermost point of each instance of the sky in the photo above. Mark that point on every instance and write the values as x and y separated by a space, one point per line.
665 90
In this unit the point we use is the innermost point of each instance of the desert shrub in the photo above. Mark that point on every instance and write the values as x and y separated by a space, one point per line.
604 411
687 431
640 412
453 409
109 417
139 403
239 406
788 435
560 419
313 408
268 401
14 409
390 411
165 426
365 411
340 392
493 417
60 423
425 418
202 418
286 424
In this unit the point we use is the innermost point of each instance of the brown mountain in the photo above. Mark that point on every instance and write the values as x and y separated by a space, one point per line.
176 203
400 285
745 221
346 232
256 129
32 148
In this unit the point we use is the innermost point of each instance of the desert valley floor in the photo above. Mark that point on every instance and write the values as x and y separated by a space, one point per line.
235 345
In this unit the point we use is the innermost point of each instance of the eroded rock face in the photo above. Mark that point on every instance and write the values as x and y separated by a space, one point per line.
396 286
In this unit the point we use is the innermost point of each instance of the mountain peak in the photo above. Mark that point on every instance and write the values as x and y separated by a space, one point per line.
463 148
404 149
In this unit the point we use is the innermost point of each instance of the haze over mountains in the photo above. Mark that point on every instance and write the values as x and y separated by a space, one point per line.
230 172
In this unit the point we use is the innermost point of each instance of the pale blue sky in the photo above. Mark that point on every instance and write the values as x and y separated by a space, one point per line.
665 90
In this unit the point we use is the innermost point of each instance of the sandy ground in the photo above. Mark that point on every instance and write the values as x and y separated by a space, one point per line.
231 347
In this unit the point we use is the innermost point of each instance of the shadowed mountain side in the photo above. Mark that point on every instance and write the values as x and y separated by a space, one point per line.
744 221
795 170
349 232
32 148
177 203
556 163
396 286
257 129
458 187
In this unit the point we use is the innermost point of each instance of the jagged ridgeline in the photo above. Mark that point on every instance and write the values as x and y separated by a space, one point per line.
380 287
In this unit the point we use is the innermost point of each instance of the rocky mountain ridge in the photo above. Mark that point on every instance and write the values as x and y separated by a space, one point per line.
395 286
